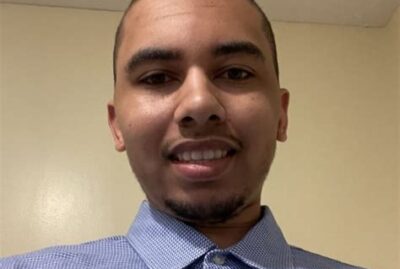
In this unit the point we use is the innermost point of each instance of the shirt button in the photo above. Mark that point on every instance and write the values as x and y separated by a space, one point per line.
218 259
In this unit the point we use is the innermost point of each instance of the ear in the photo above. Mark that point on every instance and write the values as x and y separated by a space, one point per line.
283 115
114 127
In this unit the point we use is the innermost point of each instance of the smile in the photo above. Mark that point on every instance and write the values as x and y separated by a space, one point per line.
201 156
202 150
203 160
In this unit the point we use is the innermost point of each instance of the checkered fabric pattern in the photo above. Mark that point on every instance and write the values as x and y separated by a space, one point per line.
158 241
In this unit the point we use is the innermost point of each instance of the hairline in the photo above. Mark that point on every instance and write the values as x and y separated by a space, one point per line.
266 25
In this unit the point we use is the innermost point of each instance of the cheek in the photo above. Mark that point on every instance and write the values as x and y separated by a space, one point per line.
144 127
256 125
255 119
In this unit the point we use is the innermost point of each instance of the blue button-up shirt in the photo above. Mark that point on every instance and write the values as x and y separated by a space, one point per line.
159 241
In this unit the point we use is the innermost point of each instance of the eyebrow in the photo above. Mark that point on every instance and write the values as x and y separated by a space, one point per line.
148 55
238 47
155 54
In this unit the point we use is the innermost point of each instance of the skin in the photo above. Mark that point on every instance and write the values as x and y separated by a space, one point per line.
199 97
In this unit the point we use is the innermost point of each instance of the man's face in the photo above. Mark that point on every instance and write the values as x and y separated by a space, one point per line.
197 105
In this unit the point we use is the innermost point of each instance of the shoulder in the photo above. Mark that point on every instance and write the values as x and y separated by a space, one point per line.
308 260
112 252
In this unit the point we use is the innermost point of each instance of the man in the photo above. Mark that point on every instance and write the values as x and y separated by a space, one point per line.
198 108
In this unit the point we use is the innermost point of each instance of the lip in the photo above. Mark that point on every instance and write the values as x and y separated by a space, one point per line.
203 170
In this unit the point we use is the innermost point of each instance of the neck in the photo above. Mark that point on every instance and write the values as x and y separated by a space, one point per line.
233 230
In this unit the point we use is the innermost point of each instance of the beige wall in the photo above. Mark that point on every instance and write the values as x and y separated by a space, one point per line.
395 28
334 186
339 168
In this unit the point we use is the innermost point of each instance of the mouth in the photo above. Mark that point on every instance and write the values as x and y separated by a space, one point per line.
198 156
203 160
203 150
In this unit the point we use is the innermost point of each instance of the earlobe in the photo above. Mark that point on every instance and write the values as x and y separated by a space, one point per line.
283 117
115 130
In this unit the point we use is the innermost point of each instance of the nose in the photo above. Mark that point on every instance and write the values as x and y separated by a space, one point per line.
198 103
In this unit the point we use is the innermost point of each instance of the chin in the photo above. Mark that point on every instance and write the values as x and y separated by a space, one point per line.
211 211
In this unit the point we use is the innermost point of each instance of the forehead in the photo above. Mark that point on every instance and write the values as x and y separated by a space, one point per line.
156 9
160 22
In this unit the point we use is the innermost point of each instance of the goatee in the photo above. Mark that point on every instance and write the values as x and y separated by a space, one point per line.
210 212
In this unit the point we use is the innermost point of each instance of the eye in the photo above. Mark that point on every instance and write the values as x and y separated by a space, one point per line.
236 74
156 78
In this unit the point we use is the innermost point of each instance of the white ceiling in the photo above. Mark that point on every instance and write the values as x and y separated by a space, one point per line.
371 13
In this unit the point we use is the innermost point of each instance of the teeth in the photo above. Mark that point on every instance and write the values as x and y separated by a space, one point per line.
208 155
186 156
202 155
196 155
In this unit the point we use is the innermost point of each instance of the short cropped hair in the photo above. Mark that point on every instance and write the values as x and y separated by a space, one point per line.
266 25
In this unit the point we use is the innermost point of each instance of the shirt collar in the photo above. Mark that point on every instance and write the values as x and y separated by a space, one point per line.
264 246
165 242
